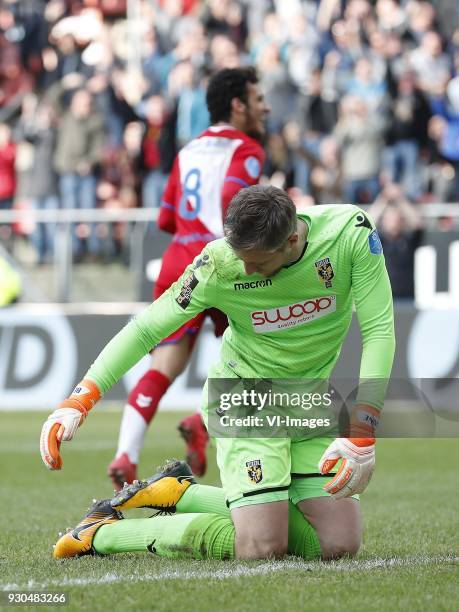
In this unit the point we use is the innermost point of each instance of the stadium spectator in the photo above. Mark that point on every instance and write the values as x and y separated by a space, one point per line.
224 17
119 187
420 18
302 53
80 140
117 102
391 16
43 184
121 166
318 106
406 133
192 114
325 180
279 91
157 149
318 111
359 137
223 53
367 86
400 229
187 34
431 65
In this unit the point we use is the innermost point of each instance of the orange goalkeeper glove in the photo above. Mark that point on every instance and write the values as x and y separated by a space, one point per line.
62 424
357 455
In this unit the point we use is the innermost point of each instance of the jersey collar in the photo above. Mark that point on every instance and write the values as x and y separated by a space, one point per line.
308 223
221 128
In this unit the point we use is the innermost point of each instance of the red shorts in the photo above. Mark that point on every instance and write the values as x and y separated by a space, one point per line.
175 260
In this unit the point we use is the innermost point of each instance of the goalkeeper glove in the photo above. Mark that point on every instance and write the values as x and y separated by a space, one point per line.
357 455
357 464
62 424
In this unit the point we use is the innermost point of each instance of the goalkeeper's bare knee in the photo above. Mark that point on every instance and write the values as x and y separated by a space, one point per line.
345 546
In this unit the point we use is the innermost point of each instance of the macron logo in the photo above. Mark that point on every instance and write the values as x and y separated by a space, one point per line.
267 282
284 317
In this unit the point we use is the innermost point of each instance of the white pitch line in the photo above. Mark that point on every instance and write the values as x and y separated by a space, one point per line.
235 571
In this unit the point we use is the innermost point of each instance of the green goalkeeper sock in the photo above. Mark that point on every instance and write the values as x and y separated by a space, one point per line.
303 540
195 536
186 536
203 498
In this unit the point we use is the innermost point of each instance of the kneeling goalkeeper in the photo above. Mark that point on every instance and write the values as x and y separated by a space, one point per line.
320 265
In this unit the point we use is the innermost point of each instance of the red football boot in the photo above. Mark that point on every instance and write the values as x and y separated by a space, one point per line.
196 438
121 470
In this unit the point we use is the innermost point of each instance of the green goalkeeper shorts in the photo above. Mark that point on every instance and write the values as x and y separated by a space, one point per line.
261 470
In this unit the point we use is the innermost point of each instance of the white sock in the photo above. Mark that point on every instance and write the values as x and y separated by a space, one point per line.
132 433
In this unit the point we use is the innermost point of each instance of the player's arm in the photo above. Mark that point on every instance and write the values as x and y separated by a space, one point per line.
166 216
374 307
190 295
243 171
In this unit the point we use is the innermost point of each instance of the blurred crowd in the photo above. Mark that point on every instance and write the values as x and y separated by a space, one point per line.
93 106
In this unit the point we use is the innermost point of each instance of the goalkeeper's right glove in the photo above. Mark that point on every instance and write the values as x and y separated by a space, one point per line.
62 424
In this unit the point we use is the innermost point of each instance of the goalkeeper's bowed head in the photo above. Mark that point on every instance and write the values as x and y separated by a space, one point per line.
62 424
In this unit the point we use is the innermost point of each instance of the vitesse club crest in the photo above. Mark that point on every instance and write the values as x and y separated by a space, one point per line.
254 471
325 271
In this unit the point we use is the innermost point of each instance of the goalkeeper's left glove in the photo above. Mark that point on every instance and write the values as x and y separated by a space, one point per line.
357 455
62 424
357 464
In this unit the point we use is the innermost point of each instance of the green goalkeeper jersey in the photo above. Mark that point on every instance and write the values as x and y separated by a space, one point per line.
291 325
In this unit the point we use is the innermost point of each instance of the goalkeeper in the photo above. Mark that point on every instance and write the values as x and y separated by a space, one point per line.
278 494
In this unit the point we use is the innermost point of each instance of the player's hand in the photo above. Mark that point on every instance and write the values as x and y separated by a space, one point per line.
357 457
62 424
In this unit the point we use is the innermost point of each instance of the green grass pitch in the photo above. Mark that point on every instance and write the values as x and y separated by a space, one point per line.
409 560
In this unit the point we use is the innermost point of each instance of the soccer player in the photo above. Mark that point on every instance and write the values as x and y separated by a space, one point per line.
277 492
206 174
